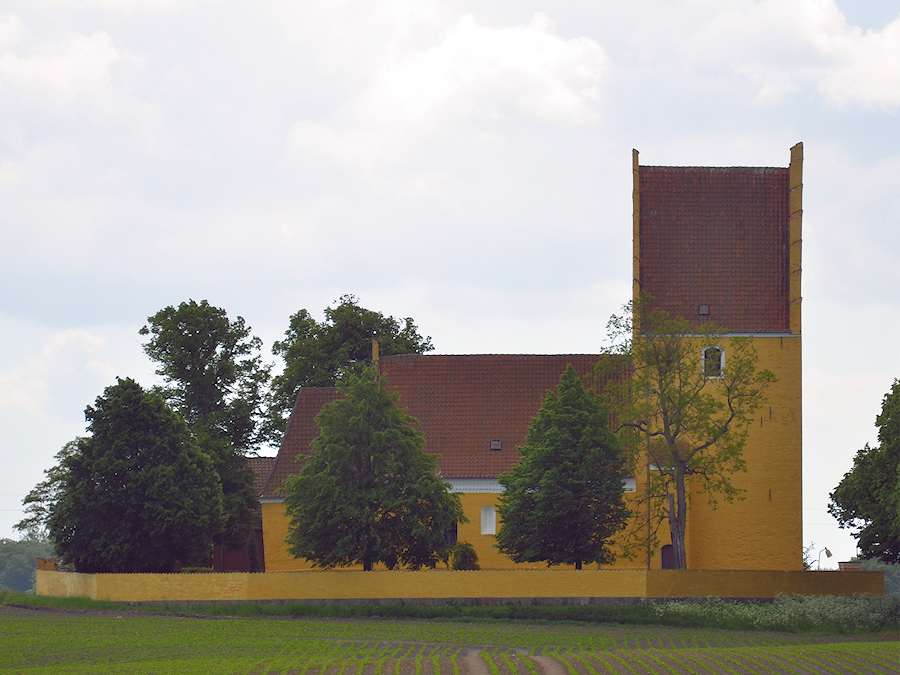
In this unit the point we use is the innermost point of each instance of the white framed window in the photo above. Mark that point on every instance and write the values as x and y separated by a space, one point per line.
713 361
488 520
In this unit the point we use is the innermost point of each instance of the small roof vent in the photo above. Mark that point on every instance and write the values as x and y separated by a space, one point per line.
704 310
496 445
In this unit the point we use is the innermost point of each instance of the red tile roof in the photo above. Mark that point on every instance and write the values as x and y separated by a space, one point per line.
462 402
717 237
262 468
300 432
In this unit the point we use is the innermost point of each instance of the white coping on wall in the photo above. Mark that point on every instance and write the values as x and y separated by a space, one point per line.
475 485
492 486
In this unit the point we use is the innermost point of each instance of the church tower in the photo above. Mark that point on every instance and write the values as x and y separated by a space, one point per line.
723 246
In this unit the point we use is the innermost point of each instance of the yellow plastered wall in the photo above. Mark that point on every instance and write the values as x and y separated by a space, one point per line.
239 586
275 529
489 556
764 529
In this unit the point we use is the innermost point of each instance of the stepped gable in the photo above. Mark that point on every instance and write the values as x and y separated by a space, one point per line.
463 402
717 237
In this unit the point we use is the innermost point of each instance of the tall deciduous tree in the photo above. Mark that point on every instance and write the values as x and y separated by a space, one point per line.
321 354
368 493
563 502
868 496
41 498
216 380
685 411
136 495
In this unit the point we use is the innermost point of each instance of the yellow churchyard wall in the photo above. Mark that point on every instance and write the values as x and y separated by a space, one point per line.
561 585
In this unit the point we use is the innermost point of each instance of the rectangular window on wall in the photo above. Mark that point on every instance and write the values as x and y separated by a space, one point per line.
488 520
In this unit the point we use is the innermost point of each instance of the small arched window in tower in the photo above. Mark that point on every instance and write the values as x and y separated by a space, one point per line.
488 520
713 361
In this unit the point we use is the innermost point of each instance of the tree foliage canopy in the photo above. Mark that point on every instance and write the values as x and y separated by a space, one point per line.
685 410
322 354
214 373
216 381
45 494
368 494
868 496
17 568
563 502
138 494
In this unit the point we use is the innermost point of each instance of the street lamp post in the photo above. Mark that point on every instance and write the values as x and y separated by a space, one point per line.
827 555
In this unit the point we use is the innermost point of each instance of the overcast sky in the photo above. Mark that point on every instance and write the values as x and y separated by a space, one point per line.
467 164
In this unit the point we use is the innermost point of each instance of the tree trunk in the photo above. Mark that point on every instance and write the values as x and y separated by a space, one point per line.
367 565
678 521
578 565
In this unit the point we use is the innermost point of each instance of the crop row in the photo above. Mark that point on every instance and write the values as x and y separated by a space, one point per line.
336 658
67 644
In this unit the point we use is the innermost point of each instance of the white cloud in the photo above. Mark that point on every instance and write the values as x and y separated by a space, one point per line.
12 32
355 38
72 355
482 71
780 45
9 173
868 68
128 6
73 67
474 73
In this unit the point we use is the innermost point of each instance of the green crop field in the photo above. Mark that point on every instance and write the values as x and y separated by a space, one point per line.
50 641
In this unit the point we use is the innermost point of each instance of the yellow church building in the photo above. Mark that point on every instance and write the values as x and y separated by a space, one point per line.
711 244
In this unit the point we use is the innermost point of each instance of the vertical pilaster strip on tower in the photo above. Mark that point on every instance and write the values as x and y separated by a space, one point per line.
635 295
795 206
635 233
376 358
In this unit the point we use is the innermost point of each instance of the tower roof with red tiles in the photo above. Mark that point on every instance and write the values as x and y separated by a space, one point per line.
714 244
465 404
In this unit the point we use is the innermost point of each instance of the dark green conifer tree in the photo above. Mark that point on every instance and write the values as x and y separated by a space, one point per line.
136 495
563 502
368 494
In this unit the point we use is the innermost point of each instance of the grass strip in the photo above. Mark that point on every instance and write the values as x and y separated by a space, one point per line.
835 615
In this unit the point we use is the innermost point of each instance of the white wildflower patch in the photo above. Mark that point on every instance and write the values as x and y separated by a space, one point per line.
790 613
